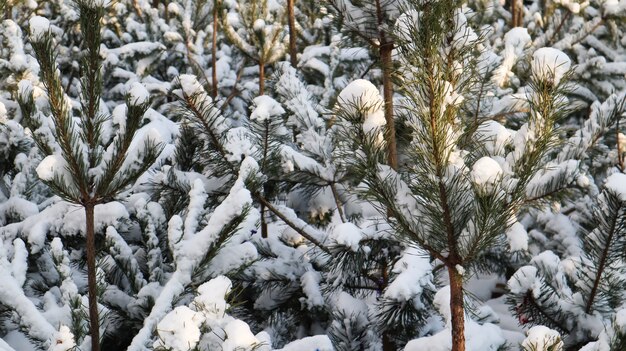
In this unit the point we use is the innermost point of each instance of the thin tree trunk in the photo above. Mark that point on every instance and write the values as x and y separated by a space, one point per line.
385 49
94 321
291 18
513 13
261 77
388 344
385 56
457 309
262 92
263 223
214 53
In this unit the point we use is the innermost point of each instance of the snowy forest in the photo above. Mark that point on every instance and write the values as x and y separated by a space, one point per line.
312 175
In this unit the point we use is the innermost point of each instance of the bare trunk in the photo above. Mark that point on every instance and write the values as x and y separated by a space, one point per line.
261 77
388 345
94 321
457 309
263 223
214 53
293 51
385 49
385 57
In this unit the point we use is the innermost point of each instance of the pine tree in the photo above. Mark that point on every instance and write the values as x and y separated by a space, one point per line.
259 35
548 293
449 182
85 171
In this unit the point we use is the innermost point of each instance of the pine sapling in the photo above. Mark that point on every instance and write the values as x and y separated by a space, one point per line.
86 171
451 197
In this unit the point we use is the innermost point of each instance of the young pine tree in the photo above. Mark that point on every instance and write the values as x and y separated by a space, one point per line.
461 180
80 168
575 284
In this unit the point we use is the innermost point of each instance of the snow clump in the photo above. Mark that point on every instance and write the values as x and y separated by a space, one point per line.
362 96
485 172
616 183
550 64
39 26
542 338
137 94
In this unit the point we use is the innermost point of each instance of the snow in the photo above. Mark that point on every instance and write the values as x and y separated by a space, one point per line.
239 337
486 172
6 347
19 263
3 113
265 108
179 330
347 234
550 64
495 135
192 250
525 279
613 7
51 166
138 94
515 40
39 26
616 183
542 338
189 84
311 343
571 5
517 237
310 282
197 199
63 340
210 299
361 96
258 25
414 273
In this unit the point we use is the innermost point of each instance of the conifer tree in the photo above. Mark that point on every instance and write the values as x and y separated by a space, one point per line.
84 171
452 196
372 23
580 276
259 35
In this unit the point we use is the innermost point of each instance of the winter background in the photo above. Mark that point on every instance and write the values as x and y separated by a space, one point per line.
300 175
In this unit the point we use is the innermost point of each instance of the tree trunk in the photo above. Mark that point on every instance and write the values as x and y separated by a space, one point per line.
214 53
91 278
385 48
385 57
262 92
261 77
457 309
388 344
291 18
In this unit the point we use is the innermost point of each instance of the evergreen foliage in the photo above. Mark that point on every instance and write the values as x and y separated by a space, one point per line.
301 175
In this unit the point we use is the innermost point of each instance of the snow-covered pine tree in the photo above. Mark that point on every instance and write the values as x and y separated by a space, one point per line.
378 290
80 168
574 286
460 183
278 284
257 30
